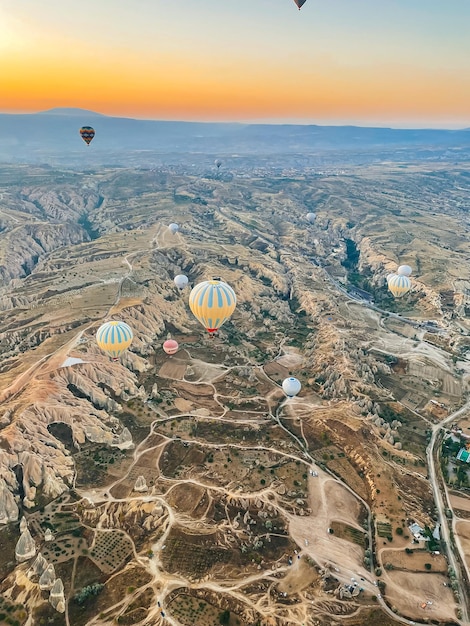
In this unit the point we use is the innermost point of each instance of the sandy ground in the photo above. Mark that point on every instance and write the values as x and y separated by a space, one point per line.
329 500
460 502
463 532
400 560
408 591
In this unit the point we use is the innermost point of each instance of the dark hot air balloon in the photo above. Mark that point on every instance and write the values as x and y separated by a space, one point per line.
300 3
87 133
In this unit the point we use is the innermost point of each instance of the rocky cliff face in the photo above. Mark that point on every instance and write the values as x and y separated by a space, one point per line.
79 396
28 243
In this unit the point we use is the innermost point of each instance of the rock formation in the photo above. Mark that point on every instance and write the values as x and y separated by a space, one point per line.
46 581
8 506
26 547
124 440
37 568
140 484
56 597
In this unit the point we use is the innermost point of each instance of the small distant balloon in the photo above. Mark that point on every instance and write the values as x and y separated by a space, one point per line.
404 270
114 338
87 133
181 281
291 387
174 228
311 217
300 3
217 163
399 285
170 346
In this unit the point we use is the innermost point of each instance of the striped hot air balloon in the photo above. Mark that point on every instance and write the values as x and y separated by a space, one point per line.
212 302
399 285
114 338
87 133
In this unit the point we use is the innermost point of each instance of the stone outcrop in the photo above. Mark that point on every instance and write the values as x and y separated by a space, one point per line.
140 484
56 597
26 547
47 579
8 506
37 568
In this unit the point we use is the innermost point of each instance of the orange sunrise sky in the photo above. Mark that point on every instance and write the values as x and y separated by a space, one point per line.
400 63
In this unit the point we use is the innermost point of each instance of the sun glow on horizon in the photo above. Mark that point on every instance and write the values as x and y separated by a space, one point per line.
270 71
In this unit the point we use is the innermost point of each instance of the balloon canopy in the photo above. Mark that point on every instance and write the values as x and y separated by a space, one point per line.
217 163
114 338
87 133
170 346
399 285
174 228
212 302
404 270
311 217
300 3
181 281
291 386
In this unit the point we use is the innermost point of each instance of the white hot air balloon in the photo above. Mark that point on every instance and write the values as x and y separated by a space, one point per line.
291 387
404 270
311 217
181 281
174 228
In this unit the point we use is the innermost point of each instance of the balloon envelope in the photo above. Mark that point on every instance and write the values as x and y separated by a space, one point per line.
404 270
114 338
87 133
181 281
300 3
291 387
174 228
170 346
217 163
311 217
399 285
212 302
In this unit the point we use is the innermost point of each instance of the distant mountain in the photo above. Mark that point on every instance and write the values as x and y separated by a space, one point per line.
54 133
71 112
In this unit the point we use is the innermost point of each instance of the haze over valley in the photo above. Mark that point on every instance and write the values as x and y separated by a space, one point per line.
188 489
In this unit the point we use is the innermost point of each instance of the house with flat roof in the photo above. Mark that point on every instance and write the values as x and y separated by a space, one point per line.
463 455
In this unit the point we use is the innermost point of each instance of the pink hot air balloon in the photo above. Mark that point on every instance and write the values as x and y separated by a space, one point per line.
170 346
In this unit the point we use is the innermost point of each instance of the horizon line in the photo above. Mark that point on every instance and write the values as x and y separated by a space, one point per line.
393 125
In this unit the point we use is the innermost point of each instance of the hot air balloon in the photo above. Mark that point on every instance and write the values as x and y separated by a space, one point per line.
291 387
212 302
87 133
174 228
399 285
300 3
170 346
217 163
114 338
311 217
404 270
181 281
